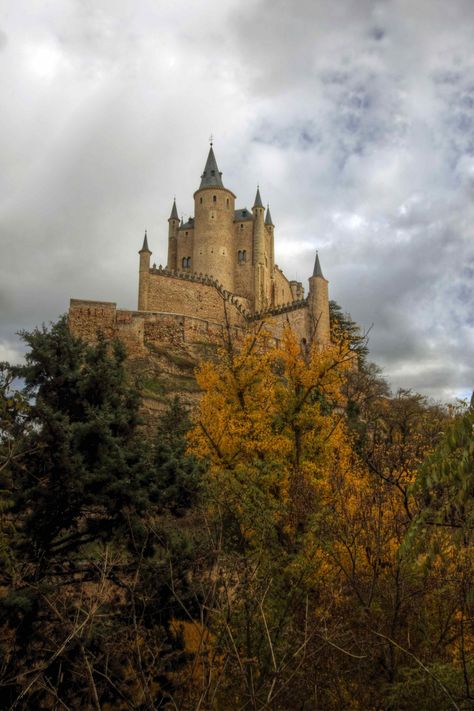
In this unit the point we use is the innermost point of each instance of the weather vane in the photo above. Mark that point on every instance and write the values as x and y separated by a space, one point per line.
211 139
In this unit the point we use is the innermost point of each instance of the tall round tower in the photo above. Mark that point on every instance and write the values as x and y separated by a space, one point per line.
173 225
260 270
214 207
318 302
144 275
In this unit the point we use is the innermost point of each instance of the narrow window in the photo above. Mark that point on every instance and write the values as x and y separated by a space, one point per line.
200 200
241 227
188 262
214 198
186 234
227 202
183 263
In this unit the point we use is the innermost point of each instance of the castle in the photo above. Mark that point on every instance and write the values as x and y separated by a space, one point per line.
220 269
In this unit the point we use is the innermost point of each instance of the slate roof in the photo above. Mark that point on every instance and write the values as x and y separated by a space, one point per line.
258 200
174 212
189 225
317 272
242 214
268 217
211 176
145 247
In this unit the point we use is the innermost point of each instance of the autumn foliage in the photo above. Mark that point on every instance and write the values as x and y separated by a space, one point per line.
304 543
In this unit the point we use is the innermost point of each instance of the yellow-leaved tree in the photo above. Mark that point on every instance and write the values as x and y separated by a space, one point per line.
272 426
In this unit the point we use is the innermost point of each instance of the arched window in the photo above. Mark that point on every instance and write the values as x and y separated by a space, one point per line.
186 262
227 202
241 256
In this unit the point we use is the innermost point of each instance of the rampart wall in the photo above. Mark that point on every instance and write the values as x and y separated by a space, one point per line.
295 314
193 295
139 329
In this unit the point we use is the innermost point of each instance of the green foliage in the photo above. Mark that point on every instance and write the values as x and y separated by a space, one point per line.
342 325
87 474
179 474
446 480
96 535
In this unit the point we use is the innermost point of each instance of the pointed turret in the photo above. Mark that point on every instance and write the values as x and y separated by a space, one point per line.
145 247
211 177
173 225
317 271
268 217
318 302
143 275
174 212
213 224
258 200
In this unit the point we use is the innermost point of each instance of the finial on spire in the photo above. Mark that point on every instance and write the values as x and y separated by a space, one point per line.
317 271
211 140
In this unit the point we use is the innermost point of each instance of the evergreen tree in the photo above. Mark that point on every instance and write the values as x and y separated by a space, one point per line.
96 581
87 474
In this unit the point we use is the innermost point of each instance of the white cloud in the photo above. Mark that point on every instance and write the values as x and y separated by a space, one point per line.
356 118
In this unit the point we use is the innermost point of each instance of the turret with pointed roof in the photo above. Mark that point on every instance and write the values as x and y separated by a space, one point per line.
144 274
317 271
145 247
318 302
174 212
213 239
268 217
173 226
211 177
258 200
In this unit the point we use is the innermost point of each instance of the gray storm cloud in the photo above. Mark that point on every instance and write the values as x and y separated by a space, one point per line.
356 118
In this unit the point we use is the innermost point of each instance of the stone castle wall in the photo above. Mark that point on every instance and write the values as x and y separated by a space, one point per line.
244 271
283 293
193 295
184 247
137 329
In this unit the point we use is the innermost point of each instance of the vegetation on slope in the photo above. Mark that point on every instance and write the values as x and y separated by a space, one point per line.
304 541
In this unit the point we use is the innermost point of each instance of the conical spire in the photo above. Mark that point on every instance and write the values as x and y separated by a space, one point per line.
174 212
317 271
268 217
211 176
145 247
258 200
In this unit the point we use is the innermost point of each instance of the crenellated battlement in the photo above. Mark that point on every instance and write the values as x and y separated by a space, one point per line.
281 309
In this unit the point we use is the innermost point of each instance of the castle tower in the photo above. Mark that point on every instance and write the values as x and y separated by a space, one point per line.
259 252
214 206
144 275
269 226
318 301
173 225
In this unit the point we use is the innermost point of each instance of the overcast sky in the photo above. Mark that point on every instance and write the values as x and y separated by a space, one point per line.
356 117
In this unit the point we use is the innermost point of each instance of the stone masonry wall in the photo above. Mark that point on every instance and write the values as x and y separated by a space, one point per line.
190 297
296 318
214 229
283 293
